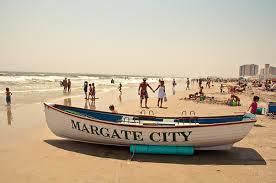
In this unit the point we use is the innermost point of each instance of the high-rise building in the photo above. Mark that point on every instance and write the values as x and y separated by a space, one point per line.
268 72
249 70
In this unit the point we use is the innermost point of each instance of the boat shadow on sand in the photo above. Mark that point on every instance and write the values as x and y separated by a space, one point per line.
235 156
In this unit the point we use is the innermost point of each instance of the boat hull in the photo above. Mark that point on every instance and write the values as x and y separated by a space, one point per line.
202 137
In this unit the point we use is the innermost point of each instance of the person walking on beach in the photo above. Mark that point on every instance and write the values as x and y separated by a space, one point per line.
85 89
173 84
254 105
188 84
8 96
142 91
161 93
69 85
120 88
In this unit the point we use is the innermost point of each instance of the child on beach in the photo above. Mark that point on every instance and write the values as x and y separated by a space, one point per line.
112 109
8 96
161 93
254 105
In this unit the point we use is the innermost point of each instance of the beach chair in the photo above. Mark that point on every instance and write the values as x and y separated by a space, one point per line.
272 110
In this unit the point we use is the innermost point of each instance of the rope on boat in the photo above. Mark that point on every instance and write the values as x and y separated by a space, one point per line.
133 153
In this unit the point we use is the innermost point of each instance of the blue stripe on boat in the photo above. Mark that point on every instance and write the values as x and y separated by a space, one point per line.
111 117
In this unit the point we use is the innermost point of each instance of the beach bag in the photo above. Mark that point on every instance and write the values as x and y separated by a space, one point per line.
165 98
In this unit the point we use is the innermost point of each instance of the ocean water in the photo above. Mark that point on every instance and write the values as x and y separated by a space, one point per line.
28 87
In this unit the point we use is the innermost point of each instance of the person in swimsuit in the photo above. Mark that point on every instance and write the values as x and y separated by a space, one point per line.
93 92
161 93
142 91
120 88
8 96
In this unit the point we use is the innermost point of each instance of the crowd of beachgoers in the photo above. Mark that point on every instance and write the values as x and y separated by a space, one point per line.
231 87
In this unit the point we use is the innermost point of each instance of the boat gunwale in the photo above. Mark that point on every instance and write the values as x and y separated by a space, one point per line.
147 126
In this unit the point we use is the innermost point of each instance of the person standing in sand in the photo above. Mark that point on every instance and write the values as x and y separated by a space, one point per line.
221 88
188 84
173 84
8 96
161 93
92 91
142 91
200 82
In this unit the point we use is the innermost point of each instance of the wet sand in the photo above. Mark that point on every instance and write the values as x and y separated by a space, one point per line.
29 152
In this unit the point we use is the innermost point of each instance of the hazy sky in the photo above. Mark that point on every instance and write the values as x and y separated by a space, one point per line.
165 37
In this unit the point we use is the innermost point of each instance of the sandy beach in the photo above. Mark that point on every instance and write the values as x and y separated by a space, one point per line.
29 152
212 61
